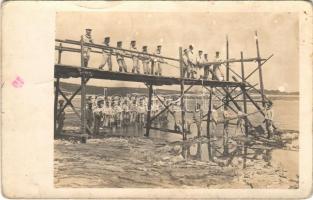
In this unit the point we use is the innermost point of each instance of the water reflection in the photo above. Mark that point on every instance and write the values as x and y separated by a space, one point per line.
238 155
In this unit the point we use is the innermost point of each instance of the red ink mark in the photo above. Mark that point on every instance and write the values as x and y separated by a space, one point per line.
18 82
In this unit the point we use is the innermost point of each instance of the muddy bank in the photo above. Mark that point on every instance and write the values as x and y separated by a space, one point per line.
149 162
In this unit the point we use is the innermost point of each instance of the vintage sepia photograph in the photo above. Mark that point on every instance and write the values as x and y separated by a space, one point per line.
176 100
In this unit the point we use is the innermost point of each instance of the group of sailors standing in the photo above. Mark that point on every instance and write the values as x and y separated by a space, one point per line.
152 65
193 64
117 111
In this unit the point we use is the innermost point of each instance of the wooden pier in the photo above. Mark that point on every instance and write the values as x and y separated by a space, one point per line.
225 88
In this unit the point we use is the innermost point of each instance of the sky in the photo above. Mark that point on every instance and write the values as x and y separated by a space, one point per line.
277 34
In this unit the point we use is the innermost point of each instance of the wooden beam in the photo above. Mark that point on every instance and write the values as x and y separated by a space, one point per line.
227 68
74 71
60 53
260 68
83 91
182 90
208 127
68 103
165 130
56 97
244 95
148 125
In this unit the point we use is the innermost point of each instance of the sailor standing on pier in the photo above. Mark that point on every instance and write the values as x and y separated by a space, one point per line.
86 50
217 73
199 62
106 55
186 67
191 61
120 58
145 60
134 57
206 67
158 61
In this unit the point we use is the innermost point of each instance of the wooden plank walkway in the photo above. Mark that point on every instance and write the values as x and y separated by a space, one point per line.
68 71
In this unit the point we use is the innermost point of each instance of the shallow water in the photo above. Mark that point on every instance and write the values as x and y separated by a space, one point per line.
286 114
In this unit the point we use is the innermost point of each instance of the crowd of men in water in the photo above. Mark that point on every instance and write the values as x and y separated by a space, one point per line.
104 112
152 65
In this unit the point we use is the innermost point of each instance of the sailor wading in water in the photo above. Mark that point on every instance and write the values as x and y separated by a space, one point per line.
98 114
197 117
86 50
106 55
269 117
126 115
240 125
117 110
89 115
141 110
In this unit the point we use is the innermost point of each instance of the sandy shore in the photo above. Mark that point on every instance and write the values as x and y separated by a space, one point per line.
151 163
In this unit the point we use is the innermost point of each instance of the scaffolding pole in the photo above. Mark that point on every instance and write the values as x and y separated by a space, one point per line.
260 68
56 96
182 93
208 126
227 67
83 94
243 89
148 125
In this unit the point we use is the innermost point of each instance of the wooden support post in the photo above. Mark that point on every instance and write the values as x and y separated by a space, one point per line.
182 90
245 151
60 54
260 68
227 68
83 94
148 125
56 96
208 126
243 89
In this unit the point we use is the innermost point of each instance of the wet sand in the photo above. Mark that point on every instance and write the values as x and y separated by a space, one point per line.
153 163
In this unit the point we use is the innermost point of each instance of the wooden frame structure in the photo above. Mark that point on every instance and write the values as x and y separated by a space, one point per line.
224 88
